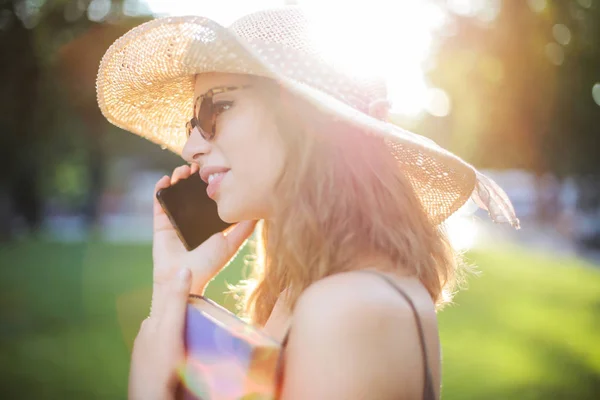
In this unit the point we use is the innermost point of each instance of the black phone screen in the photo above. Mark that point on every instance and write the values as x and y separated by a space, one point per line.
193 214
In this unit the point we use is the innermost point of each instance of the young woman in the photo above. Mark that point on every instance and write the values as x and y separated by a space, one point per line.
353 262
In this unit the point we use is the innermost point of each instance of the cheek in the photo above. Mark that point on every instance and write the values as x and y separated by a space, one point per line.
261 159
268 165
270 154
256 155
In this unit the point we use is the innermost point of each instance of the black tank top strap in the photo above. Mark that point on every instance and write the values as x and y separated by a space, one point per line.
286 337
428 386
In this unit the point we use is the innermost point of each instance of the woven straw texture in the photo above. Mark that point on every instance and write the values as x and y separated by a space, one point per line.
145 85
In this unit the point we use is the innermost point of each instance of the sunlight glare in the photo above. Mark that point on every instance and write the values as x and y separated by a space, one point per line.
462 233
392 39
462 228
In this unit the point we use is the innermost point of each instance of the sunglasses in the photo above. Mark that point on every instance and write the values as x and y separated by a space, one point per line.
206 113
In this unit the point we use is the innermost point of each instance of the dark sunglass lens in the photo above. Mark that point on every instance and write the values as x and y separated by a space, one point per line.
190 125
206 118
188 128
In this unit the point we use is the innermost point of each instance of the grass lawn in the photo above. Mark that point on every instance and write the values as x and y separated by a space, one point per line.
527 328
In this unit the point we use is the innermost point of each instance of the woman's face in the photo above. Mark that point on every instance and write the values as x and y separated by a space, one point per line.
246 156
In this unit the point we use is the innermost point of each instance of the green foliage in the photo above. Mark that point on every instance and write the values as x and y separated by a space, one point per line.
521 86
526 328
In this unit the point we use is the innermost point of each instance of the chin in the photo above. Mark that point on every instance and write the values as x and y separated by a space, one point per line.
228 212
233 211
227 217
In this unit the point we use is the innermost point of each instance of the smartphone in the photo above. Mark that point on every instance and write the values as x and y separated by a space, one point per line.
193 214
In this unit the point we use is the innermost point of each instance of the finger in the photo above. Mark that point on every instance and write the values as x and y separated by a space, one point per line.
179 173
175 302
162 183
194 169
160 220
236 235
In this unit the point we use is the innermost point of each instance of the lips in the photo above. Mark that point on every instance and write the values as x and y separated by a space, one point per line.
215 184
213 176
207 171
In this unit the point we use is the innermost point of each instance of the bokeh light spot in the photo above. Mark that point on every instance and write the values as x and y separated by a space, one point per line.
562 34
134 8
537 5
98 10
596 93
490 11
438 102
28 12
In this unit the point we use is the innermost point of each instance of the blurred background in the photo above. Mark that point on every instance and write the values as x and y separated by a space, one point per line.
512 86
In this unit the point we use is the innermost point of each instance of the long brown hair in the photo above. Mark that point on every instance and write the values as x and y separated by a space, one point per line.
341 198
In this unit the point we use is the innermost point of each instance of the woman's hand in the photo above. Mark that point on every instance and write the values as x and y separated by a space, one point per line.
206 260
158 350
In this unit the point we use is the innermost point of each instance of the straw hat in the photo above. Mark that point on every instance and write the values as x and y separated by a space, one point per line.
145 85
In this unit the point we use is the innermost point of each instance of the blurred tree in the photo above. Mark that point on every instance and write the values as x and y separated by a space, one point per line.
19 137
77 66
51 51
520 76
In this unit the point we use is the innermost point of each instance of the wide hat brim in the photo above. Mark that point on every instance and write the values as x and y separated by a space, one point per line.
145 85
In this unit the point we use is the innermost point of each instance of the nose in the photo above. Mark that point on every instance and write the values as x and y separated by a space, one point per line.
195 147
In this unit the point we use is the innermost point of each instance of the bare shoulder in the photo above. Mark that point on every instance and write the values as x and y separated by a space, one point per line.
363 295
357 325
